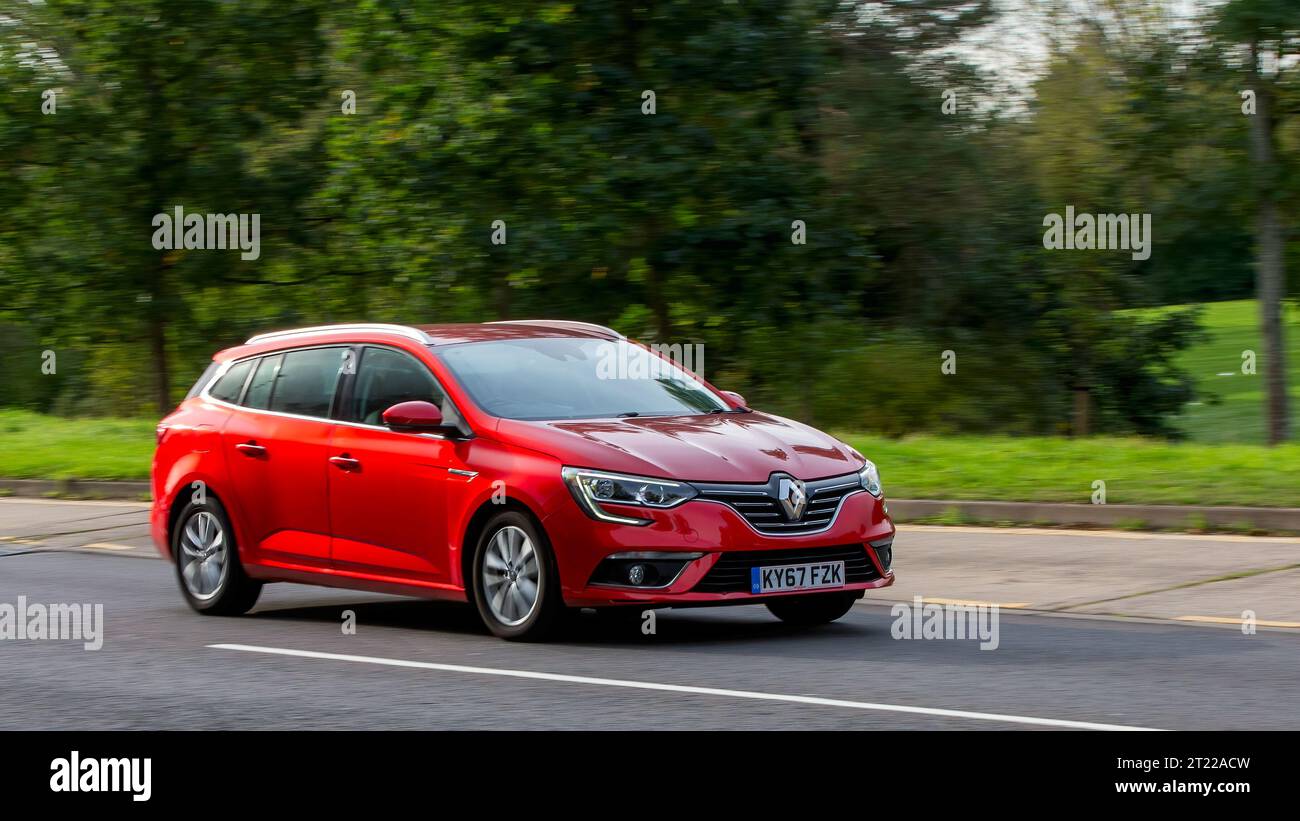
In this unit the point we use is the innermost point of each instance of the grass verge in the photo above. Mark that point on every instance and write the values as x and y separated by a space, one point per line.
1135 471
33 446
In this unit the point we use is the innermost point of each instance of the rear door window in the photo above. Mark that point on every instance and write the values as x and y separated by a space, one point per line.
259 390
305 382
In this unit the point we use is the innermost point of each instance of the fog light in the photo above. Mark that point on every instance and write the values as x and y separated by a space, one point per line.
644 569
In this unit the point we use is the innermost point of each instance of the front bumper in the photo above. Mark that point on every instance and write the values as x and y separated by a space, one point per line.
717 531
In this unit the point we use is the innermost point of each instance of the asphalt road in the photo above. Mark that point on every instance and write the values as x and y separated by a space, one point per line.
420 665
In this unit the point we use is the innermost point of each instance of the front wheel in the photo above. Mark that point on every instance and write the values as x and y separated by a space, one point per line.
807 611
516 586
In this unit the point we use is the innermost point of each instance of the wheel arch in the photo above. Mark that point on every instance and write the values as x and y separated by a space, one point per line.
183 498
474 531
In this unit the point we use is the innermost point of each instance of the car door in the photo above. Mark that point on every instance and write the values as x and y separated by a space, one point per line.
276 445
388 489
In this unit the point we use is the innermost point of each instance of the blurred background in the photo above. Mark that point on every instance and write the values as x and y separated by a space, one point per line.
920 144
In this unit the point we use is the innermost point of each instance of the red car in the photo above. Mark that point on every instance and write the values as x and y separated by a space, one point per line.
509 464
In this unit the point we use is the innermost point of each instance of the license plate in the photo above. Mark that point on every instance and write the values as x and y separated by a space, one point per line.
796 577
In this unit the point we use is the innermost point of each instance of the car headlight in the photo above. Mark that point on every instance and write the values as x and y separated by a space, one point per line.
594 488
870 478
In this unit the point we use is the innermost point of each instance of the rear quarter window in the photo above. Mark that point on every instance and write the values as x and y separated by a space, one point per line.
203 380
228 387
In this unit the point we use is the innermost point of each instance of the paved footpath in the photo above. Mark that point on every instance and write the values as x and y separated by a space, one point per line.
1151 575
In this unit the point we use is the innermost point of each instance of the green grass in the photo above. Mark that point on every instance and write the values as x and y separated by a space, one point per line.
49 447
1231 405
1136 471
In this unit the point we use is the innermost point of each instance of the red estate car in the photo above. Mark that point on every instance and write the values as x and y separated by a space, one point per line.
506 464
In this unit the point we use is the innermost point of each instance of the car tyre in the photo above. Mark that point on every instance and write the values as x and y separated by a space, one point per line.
515 581
206 558
808 611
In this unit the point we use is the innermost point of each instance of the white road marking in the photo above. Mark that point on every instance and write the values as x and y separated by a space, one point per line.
677 688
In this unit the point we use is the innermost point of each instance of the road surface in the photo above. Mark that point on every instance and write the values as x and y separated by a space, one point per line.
1059 662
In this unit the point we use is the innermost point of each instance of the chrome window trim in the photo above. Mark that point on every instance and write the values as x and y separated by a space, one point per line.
220 372
224 404
207 397
280 352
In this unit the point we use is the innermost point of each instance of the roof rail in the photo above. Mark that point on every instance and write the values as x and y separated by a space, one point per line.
560 323
402 330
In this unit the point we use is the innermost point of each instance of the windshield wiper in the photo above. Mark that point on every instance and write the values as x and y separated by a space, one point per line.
627 414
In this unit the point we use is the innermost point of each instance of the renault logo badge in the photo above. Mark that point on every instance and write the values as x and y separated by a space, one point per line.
793 497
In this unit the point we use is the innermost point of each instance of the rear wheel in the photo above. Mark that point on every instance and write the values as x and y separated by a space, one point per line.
207 562
807 611
516 586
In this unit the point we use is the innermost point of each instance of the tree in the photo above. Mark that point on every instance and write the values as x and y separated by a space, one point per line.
164 104
1263 36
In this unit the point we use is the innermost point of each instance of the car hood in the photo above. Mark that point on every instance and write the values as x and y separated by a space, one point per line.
730 447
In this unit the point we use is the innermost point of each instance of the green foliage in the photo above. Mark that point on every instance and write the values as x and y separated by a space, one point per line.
923 229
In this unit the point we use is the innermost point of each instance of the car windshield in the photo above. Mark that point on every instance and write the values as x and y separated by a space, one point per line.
575 378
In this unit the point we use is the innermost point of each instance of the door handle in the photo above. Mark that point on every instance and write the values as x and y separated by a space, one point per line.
252 449
346 462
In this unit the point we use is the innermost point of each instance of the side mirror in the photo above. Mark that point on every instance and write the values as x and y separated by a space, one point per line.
414 416
737 398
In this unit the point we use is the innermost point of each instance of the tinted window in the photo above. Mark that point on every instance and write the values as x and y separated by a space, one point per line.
305 383
570 378
203 381
228 387
387 377
259 390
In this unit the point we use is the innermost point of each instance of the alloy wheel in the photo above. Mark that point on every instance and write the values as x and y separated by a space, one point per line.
203 555
510 576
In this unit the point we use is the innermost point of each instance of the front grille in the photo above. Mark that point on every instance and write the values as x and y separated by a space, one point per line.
731 573
760 506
